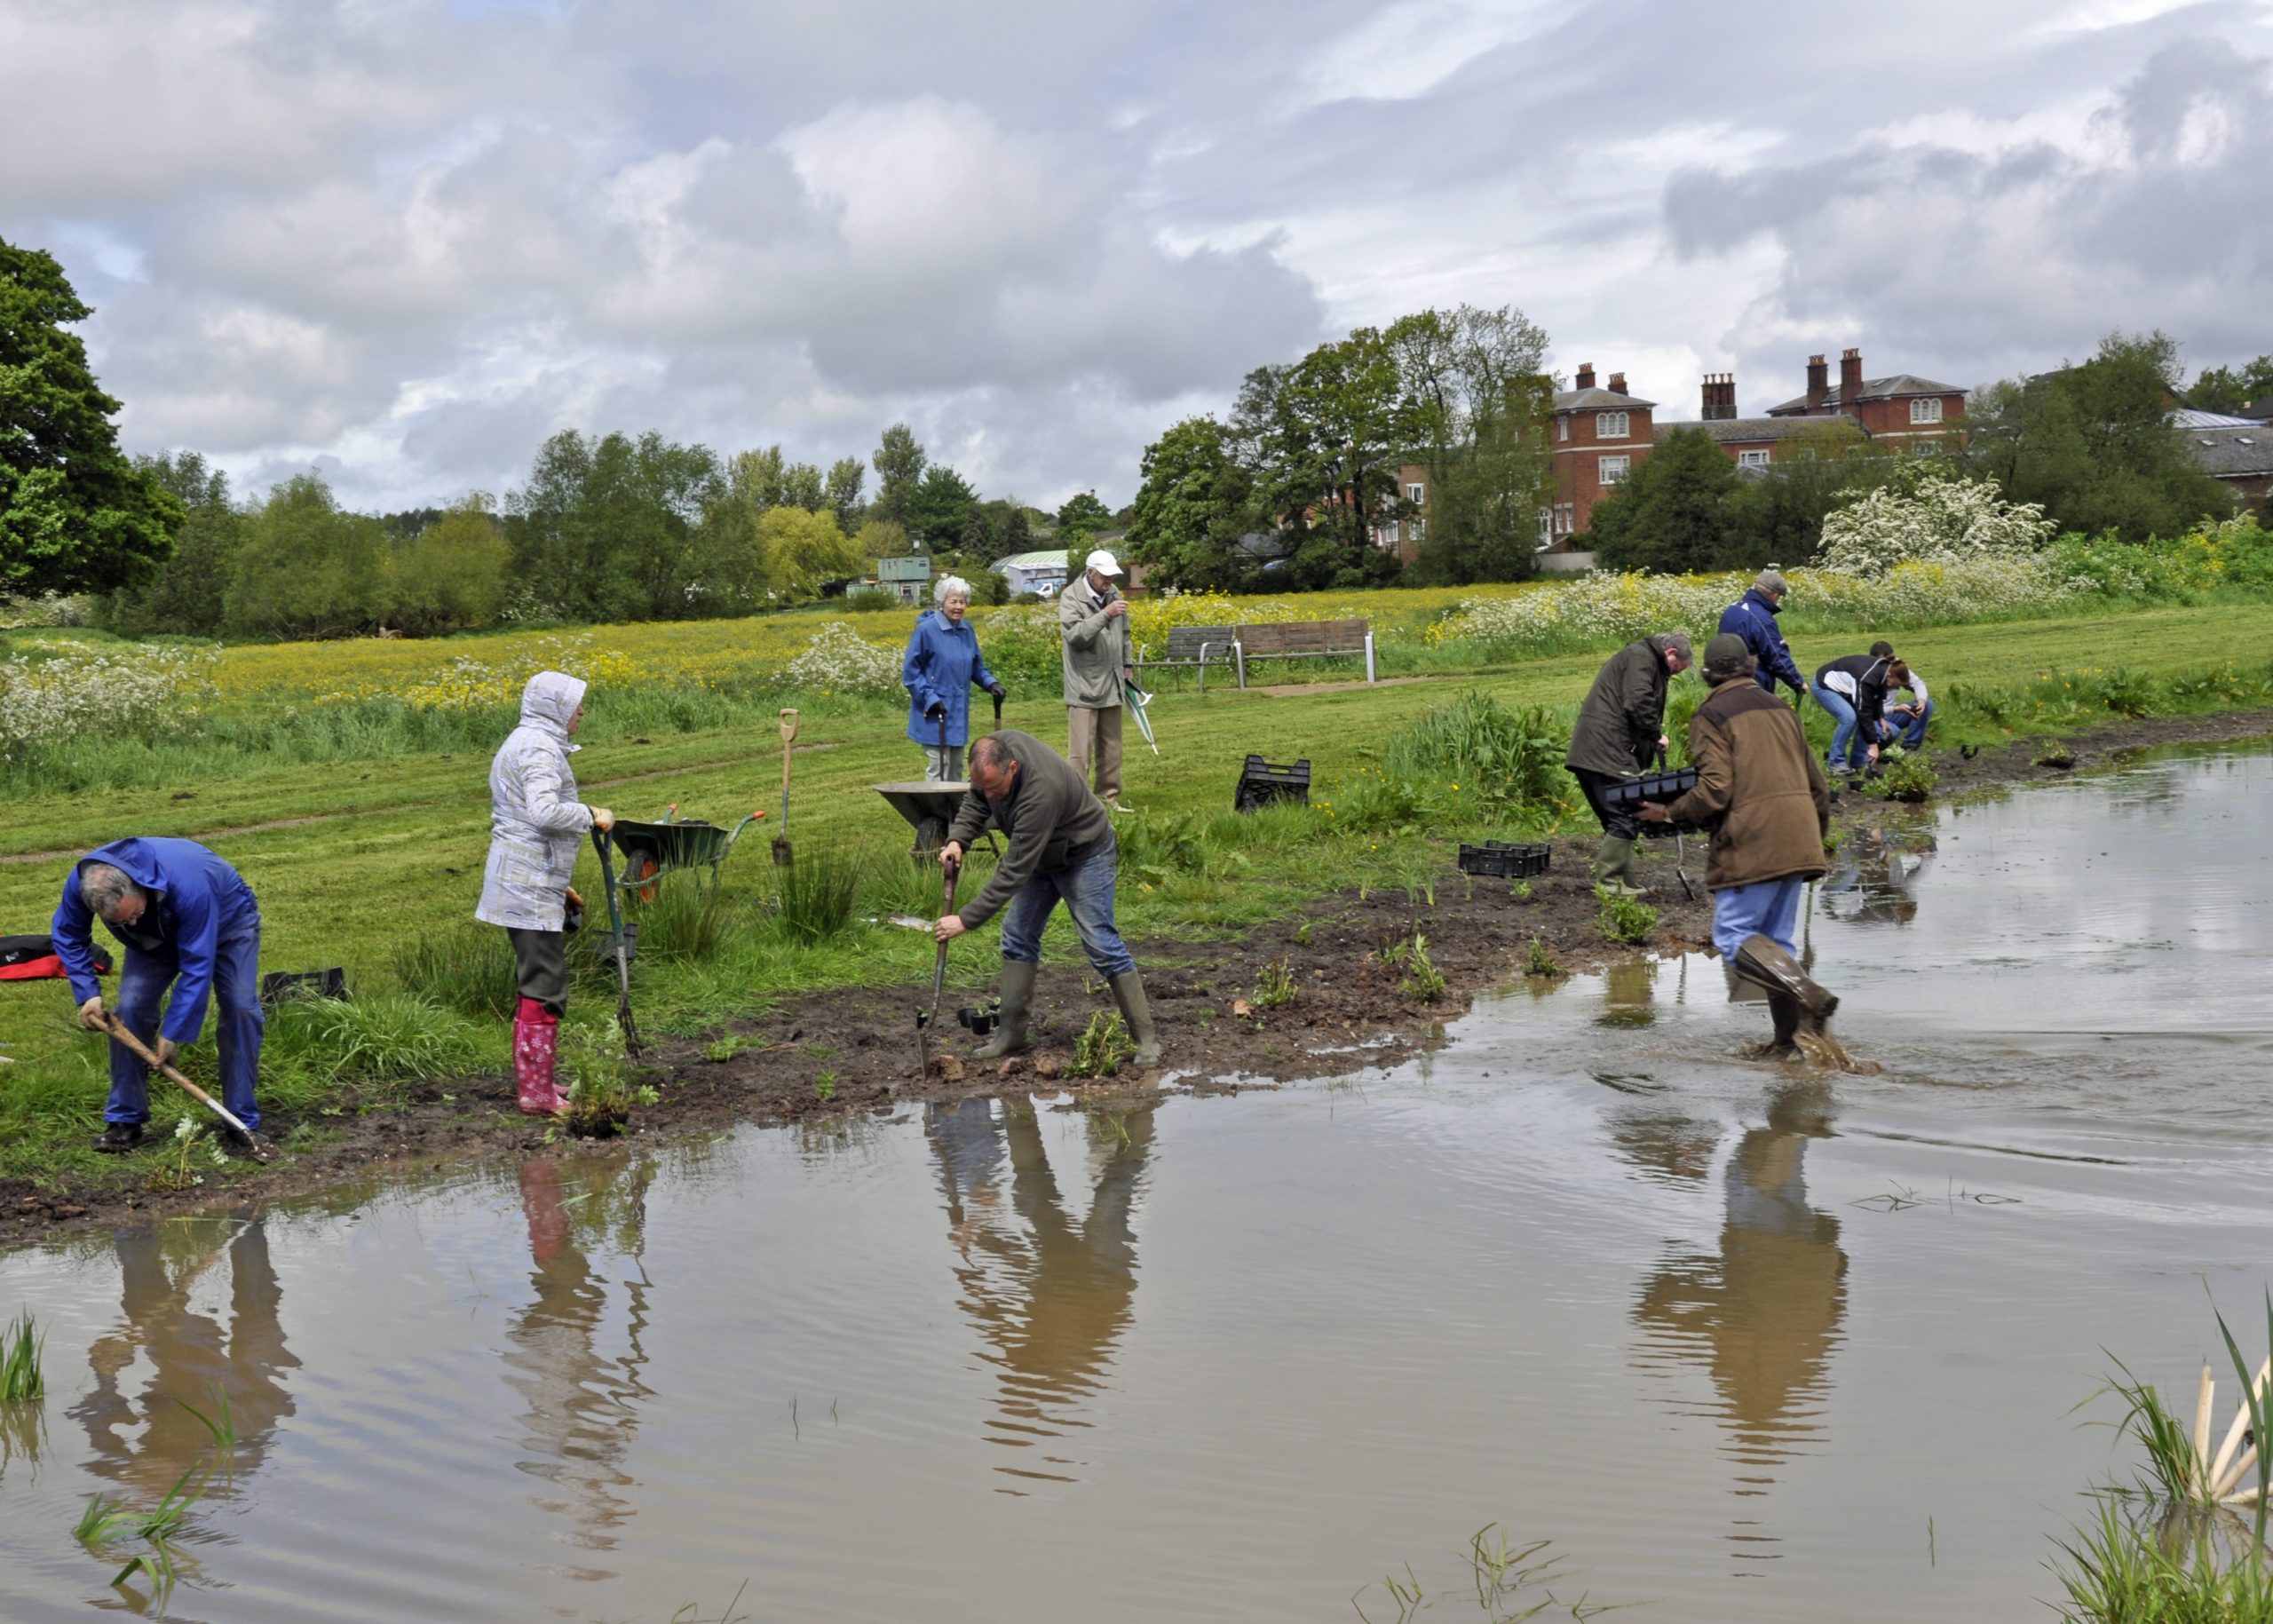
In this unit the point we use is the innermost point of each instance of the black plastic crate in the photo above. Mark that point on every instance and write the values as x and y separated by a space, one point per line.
1662 787
1505 860
1261 783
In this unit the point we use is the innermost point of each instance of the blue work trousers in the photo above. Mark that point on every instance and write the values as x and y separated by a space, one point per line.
1913 729
1087 890
143 982
1766 907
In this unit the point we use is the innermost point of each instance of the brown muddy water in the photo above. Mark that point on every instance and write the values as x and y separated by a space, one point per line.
1743 1345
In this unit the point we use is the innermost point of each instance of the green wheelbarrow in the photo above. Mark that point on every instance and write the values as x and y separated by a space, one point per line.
653 850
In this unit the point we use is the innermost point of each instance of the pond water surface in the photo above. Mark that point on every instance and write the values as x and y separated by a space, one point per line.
1744 1344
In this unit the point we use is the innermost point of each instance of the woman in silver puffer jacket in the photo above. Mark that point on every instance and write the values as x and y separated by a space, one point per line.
535 822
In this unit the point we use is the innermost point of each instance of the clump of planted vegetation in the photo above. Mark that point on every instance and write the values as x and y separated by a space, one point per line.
1905 775
2185 1544
1275 988
107 1519
1422 981
1103 1047
1509 1581
1624 918
601 1091
1539 961
818 893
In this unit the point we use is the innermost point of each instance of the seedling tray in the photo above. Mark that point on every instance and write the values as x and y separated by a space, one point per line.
1662 787
1504 860
1260 783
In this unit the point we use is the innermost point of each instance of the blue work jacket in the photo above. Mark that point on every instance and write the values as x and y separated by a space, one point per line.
943 662
1753 618
195 900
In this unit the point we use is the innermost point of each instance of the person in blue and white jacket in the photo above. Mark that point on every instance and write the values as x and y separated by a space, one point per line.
943 664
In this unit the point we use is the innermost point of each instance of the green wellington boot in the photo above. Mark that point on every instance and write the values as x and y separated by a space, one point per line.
1613 865
1017 1003
1129 993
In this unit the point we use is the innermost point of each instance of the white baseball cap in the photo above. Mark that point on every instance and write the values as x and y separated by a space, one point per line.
1102 562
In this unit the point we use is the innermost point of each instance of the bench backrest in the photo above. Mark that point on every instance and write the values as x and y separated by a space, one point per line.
1304 638
1185 642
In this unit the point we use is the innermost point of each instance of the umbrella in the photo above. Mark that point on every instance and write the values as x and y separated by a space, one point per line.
1137 700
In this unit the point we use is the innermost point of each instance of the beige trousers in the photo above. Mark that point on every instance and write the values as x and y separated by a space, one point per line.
1095 733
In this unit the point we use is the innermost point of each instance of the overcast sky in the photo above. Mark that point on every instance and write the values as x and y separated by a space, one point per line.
404 241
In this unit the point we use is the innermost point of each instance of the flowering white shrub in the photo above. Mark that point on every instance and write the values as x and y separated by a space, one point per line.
838 659
1930 518
73 688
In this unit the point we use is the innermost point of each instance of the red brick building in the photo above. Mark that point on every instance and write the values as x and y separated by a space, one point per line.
1601 435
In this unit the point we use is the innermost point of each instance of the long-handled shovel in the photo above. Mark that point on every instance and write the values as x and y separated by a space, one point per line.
925 1017
782 855
260 1148
623 946
1680 848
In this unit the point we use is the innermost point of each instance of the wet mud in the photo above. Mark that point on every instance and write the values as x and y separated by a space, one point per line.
854 1052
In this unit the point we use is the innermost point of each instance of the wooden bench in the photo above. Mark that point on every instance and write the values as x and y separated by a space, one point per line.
1191 646
1302 640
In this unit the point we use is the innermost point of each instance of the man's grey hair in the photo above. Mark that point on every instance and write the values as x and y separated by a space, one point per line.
1677 643
103 887
950 586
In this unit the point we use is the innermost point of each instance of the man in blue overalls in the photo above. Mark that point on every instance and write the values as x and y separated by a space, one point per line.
184 915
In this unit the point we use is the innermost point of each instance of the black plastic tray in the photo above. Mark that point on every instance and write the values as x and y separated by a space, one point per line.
1505 860
1659 787
1260 783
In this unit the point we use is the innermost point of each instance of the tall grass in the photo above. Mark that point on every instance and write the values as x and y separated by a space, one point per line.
465 966
1513 757
21 1344
2138 1564
817 896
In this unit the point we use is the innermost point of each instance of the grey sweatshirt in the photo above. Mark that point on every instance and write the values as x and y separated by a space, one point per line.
1050 817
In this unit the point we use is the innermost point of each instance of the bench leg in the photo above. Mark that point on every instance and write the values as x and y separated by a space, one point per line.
1239 659
1369 658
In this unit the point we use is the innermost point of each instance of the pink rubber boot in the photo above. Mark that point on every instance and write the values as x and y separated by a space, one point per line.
537 1034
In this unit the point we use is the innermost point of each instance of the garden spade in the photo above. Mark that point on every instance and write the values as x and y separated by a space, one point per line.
621 944
260 1148
925 1017
1680 848
782 856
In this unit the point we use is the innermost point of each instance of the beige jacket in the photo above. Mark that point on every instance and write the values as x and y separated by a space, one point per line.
1096 649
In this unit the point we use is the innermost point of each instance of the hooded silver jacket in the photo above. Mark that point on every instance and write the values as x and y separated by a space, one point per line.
534 818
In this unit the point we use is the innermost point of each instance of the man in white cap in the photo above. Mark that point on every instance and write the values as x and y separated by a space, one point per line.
1093 620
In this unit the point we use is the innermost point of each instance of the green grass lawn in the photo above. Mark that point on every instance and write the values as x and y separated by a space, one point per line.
357 859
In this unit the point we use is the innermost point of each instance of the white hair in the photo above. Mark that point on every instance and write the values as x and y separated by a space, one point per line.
102 888
950 586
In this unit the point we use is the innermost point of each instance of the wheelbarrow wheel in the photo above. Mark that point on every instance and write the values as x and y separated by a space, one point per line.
639 867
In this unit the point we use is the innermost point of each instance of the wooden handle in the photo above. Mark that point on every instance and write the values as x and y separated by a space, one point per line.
788 726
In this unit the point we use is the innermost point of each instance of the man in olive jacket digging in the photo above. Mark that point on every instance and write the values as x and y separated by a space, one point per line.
1061 846
1763 795
1617 733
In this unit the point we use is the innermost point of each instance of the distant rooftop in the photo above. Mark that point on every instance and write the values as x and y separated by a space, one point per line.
1892 387
1590 400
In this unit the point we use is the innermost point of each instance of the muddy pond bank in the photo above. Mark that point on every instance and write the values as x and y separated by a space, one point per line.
851 1051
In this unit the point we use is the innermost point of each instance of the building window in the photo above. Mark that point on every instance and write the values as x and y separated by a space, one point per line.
1413 495
1413 528
1546 527
1562 428
1611 470
1568 519
1386 536
1610 425
1751 459
1926 408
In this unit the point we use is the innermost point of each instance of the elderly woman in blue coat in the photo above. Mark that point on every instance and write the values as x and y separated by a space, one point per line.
943 665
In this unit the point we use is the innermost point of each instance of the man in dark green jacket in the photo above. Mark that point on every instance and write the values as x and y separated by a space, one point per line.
1061 846
1619 728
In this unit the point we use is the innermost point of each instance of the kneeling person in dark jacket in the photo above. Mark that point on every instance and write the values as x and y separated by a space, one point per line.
1768 804
1061 847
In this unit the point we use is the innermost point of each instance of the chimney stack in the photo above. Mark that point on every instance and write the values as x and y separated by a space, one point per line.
1720 396
1850 378
1818 383
1618 382
1586 378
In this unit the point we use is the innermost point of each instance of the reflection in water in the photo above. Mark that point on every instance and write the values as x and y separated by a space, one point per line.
1629 990
143 1440
1050 1300
582 1405
1872 874
1668 1147
1763 1316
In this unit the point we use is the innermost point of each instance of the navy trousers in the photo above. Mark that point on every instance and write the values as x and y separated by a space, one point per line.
142 982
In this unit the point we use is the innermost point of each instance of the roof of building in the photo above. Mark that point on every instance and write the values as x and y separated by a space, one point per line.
1043 559
2259 410
1589 400
2187 417
905 567
1727 431
2239 453
1892 387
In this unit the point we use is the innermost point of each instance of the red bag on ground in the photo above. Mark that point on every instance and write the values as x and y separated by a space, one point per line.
32 958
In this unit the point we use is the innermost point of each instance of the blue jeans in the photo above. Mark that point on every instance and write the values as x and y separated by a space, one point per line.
1087 888
1845 746
1913 731
143 981
1767 907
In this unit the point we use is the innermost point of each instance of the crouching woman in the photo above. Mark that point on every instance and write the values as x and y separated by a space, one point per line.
534 824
